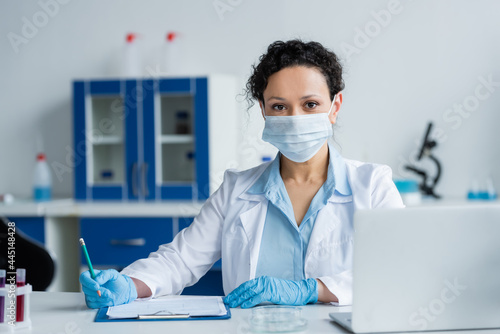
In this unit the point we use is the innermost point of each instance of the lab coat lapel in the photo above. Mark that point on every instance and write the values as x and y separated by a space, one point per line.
325 223
359 180
327 220
253 224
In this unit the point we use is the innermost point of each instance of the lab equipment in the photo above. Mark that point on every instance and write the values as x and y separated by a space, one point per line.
6 198
15 311
107 174
87 258
2 297
474 192
116 288
171 54
425 151
299 137
182 123
42 179
487 193
188 166
20 281
274 290
445 260
132 66
277 319
409 191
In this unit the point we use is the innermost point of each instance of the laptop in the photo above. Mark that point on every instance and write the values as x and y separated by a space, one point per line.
425 268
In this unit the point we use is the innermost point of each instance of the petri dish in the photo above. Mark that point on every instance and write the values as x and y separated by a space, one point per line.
277 319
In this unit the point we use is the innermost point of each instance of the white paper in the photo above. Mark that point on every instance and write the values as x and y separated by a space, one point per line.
195 306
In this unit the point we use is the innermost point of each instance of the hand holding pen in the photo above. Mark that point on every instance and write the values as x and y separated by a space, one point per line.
112 287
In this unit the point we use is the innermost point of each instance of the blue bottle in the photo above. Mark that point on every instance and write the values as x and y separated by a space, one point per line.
42 180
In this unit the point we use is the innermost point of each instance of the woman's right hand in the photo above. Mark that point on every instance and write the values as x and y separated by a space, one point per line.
116 289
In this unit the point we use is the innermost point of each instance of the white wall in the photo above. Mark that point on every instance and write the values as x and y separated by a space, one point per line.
424 59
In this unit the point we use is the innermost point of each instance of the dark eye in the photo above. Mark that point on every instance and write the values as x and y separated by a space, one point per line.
311 105
279 107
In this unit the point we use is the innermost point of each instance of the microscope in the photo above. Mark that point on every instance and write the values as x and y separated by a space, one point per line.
426 187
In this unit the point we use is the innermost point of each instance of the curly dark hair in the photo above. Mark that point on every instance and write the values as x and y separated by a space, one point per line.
294 53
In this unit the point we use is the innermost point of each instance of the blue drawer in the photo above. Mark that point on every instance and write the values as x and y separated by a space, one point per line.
31 226
121 241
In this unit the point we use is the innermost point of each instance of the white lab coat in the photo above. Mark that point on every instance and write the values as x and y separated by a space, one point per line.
231 223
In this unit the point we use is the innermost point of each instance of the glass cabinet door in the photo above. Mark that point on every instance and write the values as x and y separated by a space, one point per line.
170 108
106 140
176 140
103 111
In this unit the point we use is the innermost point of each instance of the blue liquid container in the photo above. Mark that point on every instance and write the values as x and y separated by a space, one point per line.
42 180
42 194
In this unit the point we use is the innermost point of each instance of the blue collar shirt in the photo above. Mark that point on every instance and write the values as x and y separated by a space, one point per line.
284 243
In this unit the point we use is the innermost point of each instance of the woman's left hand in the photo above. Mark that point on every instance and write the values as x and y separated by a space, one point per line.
274 290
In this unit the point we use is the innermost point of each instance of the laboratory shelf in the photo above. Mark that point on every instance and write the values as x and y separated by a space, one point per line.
107 140
176 139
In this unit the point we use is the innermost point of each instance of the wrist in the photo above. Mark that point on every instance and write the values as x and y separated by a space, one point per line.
132 288
312 288
142 290
324 294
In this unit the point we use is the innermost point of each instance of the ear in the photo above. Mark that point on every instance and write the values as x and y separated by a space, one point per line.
336 107
261 104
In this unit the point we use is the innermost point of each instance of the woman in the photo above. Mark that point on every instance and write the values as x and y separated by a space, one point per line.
284 228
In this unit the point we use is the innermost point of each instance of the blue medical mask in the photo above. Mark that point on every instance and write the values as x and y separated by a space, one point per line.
300 137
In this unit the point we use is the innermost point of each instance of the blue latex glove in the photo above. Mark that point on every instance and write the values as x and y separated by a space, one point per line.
274 290
116 289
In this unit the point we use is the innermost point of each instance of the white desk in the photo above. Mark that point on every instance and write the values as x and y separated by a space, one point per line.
66 312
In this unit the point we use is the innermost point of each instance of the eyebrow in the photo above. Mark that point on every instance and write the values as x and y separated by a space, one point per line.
302 98
276 98
309 96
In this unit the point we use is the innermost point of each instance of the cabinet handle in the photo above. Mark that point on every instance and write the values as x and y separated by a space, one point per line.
128 242
134 179
144 173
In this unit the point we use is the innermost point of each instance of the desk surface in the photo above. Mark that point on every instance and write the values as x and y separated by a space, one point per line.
66 312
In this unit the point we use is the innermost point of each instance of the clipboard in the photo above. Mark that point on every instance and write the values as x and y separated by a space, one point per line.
102 317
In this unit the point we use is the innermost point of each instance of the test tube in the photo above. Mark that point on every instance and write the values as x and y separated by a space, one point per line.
2 298
20 281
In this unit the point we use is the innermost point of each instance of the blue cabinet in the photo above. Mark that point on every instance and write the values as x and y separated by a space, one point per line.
120 241
152 139
33 227
105 114
117 242
175 145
